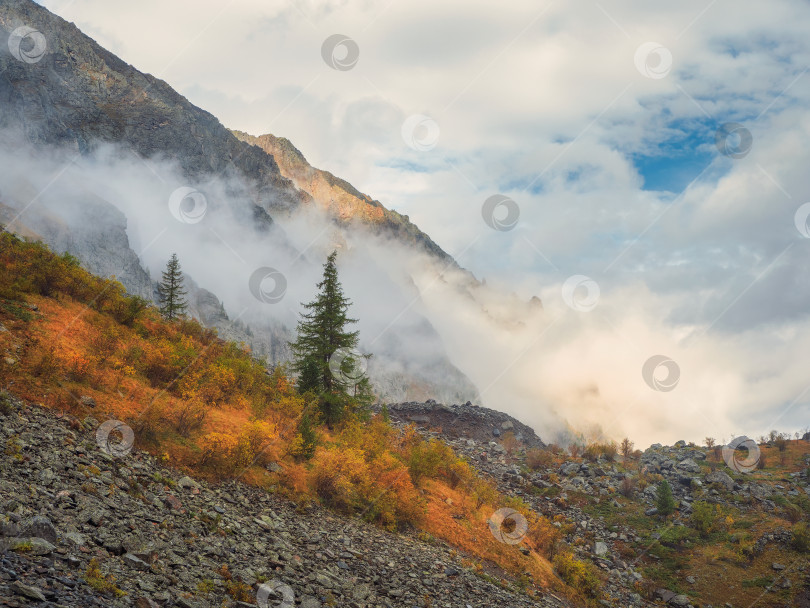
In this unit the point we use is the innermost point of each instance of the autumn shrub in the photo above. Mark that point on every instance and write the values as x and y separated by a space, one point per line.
545 536
79 366
578 574
188 417
483 492
703 517
46 364
103 583
254 443
608 450
801 538
592 452
627 487
510 442
217 452
127 310
539 459
150 423
380 490
430 459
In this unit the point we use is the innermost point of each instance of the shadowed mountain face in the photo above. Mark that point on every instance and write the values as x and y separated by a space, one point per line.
69 100
79 95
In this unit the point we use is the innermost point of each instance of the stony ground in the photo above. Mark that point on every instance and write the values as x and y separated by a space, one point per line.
693 472
163 539
159 538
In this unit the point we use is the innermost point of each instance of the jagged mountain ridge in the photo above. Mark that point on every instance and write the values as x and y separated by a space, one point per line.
339 197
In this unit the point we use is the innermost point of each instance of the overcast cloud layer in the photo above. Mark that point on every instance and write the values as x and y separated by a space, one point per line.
609 152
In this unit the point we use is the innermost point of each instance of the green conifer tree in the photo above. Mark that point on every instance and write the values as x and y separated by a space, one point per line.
321 333
666 502
171 293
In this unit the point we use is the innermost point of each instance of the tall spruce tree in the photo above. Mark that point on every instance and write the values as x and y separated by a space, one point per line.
321 333
171 293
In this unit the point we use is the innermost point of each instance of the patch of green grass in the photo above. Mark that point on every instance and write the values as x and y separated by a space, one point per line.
663 576
15 310
551 492
677 535
759 581
166 481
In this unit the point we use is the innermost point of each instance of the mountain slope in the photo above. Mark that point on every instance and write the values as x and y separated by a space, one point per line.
205 406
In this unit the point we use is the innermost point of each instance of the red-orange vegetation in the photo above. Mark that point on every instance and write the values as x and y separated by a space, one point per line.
215 411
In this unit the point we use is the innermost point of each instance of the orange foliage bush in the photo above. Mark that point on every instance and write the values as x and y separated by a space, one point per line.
539 459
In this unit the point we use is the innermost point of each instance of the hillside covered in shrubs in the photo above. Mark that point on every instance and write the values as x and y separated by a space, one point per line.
79 345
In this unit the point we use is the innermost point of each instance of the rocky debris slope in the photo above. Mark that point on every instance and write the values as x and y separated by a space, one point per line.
165 537
558 493
464 421
490 458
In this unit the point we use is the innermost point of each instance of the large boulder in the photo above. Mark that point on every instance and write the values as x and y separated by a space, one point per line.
721 478
689 465
40 527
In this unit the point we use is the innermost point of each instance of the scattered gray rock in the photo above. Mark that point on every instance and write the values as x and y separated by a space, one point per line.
32 593
40 527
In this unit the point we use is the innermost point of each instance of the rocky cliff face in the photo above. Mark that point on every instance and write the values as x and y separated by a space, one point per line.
92 230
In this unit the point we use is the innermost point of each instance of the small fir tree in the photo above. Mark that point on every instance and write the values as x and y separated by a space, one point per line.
666 502
321 333
171 293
